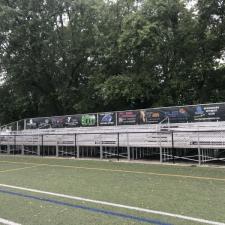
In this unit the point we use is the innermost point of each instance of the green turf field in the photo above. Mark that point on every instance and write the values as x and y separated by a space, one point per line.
183 190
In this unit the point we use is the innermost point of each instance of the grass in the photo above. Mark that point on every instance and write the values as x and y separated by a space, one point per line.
147 186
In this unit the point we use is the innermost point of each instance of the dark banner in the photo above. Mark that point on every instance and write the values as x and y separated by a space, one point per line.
184 114
72 121
107 119
173 114
58 121
41 123
85 120
176 114
128 118
210 112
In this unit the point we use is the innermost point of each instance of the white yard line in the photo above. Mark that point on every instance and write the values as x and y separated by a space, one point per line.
7 222
199 220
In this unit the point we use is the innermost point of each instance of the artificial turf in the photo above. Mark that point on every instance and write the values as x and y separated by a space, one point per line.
195 192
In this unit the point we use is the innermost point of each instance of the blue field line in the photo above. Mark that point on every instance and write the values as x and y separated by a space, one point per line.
91 209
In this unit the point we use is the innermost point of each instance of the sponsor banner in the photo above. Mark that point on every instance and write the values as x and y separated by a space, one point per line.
184 114
85 120
173 114
178 114
88 120
149 116
209 112
128 118
58 121
41 123
107 119
72 121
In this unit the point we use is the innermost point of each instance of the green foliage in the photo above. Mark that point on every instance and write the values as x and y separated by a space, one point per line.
64 57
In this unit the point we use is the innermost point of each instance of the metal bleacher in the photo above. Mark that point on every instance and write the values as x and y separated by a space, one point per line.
192 133
195 142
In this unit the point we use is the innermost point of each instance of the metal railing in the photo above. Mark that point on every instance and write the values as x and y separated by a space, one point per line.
165 146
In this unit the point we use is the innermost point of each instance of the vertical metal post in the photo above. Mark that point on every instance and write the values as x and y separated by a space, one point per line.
101 148
75 145
101 151
14 149
24 121
173 147
78 152
42 145
97 119
160 148
128 147
57 150
118 146
22 149
199 151
38 149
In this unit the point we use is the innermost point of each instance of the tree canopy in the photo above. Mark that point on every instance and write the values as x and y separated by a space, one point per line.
75 56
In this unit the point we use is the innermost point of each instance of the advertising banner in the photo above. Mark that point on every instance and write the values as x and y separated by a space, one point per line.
128 118
58 121
41 123
72 121
173 114
209 112
107 119
149 116
184 114
88 120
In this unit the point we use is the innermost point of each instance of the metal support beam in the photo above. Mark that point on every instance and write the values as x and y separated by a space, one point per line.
78 152
38 150
101 152
22 149
160 148
199 151
57 150
128 147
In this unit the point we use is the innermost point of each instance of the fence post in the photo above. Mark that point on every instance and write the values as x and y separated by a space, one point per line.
14 149
199 151
75 145
24 124
101 151
22 150
78 152
173 147
56 147
39 149
128 147
160 148
42 145
118 146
